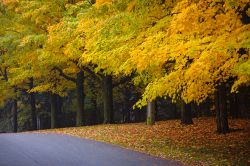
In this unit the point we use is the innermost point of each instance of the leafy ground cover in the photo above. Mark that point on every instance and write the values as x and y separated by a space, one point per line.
196 144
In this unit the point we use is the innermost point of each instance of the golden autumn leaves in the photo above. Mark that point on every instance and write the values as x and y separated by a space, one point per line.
182 49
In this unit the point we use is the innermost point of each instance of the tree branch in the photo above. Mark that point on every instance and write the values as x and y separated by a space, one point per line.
64 75
121 81
96 76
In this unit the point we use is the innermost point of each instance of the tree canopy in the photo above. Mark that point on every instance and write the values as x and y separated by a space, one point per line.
182 49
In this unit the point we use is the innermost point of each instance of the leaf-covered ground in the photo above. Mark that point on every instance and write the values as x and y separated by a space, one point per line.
196 144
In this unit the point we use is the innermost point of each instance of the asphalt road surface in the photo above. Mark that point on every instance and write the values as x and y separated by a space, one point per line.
28 149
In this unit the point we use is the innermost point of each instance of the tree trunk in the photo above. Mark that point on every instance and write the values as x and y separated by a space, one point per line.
108 100
151 113
53 114
14 115
186 113
221 110
80 98
33 106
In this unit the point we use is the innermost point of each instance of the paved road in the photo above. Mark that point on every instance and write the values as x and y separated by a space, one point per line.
60 150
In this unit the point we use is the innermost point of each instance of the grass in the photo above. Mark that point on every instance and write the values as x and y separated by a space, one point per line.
196 144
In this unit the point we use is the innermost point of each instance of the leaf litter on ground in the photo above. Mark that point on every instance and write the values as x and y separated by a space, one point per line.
196 144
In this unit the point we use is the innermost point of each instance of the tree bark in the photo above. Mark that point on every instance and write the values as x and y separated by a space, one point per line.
151 113
80 98
186 113
108 100
221 110
14 115
33 106
53 118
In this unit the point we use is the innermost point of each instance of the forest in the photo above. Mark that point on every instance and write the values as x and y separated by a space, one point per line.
67 63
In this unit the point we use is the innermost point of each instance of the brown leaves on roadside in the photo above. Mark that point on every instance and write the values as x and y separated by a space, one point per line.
196 144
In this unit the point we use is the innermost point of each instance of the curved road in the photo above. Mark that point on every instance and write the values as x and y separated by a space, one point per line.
28 149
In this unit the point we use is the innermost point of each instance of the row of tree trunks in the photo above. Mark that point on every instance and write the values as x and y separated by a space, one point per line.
107 98
32 105
221 110
186 113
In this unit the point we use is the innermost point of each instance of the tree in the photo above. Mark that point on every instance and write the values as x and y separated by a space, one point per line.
189 61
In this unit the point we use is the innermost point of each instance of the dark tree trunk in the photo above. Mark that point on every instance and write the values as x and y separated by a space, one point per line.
80 98
186 113
151 113
54 108
14 115
108 100
221 110
33 105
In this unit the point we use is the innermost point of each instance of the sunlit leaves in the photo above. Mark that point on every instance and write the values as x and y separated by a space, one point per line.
200 45
182 49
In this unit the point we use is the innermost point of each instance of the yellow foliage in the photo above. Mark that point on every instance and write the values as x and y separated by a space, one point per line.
131 5
182 49
101 2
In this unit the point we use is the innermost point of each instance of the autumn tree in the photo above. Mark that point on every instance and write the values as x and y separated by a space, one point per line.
196 52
